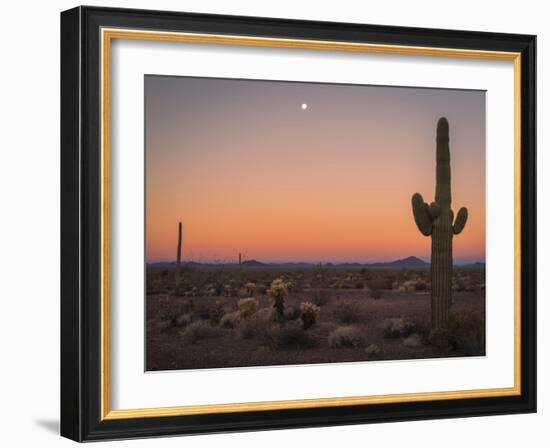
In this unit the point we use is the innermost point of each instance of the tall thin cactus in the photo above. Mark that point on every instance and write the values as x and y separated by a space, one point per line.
436 220
178 259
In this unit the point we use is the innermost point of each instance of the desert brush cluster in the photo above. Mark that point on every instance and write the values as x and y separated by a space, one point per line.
231 316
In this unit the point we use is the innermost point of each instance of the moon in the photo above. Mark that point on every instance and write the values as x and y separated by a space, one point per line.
304 106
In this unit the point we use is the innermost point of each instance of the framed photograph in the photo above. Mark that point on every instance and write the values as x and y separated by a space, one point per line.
272 223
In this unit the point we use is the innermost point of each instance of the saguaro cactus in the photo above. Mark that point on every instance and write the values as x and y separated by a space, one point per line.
178 259
436 220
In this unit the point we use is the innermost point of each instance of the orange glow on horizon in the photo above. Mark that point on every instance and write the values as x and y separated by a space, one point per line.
283 183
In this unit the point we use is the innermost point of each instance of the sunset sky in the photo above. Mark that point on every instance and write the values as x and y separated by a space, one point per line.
247 168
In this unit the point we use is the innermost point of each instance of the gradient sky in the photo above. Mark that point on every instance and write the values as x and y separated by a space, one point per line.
246 169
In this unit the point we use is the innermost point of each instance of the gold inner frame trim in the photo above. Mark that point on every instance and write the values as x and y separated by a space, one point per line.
107 35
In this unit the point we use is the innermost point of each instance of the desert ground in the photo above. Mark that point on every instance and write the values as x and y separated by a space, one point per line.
236 316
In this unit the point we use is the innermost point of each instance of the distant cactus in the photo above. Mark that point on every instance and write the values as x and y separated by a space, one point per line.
178 259
436 220
241 258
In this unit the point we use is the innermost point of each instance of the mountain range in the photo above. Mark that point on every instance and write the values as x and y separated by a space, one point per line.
409 263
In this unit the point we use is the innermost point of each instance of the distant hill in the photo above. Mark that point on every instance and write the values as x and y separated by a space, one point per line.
253 264
409 263
476 265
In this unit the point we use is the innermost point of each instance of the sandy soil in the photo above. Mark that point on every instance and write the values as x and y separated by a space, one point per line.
167 350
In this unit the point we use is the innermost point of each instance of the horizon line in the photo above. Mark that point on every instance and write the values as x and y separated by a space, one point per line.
313 262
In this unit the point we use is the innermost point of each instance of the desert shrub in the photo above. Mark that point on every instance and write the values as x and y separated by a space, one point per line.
372 350
347 312
345 284
439 338
298 282
216 312
346 336
467 333
389 280
157 283
320 297
459 284
415 284
309 313
253 328
210 290
242 293
278 292
193 292
420 285
250 289
290 336
412 341
170 308
199 330
230 289
230 320
290 284
265 314
376 294
167 311
163 325
217 288
398 327
183 320
247 307
261 288
376 285
202 310
291 313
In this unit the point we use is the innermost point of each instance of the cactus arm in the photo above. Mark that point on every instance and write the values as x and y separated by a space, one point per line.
421 212
460 221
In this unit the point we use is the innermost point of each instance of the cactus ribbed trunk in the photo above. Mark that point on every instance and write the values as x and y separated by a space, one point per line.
441 271
442 232
178 258
436 220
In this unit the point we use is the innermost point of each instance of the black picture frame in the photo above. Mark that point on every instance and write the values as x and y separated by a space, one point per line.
81 227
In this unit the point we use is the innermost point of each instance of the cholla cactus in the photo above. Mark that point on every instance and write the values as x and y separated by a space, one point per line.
436 220
309 314
247 307
278 291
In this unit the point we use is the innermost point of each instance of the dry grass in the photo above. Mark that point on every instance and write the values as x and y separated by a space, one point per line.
347 336
398 327
348 312
198 331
